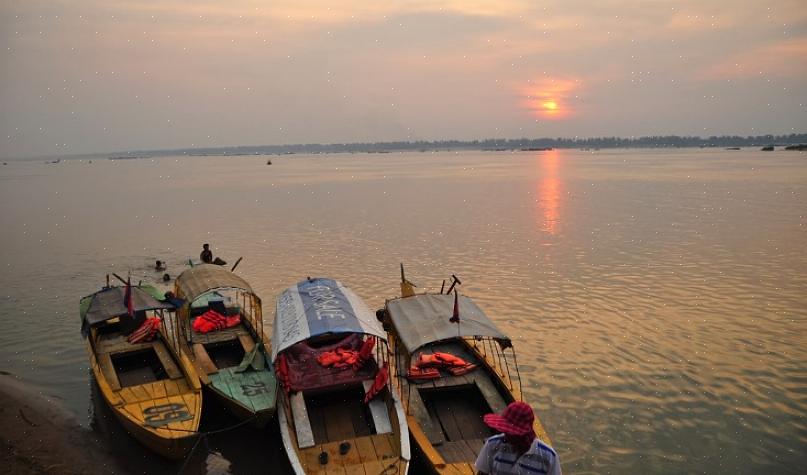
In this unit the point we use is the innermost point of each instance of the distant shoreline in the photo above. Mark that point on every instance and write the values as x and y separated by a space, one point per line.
520 144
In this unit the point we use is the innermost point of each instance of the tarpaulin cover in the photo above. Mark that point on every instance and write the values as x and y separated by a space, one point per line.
203 278
108 303
423 319
319 306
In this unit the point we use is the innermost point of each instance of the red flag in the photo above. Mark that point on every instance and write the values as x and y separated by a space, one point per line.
455 318
127 297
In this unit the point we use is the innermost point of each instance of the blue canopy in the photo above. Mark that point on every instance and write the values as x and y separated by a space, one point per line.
317 307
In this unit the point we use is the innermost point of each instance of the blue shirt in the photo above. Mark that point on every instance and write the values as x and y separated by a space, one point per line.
498 457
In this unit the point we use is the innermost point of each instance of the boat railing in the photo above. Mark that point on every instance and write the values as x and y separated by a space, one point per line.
502 361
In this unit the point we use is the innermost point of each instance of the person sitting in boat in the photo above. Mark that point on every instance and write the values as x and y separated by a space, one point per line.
159 266
207 255
517 450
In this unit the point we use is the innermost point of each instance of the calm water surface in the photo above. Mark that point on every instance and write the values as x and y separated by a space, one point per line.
657 299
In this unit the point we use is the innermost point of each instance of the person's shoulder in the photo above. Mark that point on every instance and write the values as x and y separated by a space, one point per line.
543 446
495 439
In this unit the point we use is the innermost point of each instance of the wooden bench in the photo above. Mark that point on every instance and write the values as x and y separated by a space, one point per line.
302 425
203 359
379 412
167 360
108 370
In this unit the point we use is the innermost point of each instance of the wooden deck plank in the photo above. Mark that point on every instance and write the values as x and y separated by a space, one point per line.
352 459
108 370
167 360
118 343
247 342
336 462
429 426
203 359
217 336
365 449
489 391
379 412
338 423
309 458
157 389
475 446
470 422
369 458
453 451
128 396
422 440
355 469
302 424
384 447
443 410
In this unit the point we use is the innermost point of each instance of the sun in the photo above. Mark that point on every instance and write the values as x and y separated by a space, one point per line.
550 98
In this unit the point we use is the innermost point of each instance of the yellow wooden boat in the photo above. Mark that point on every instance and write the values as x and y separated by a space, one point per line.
232 363
444 414
327 423
152 389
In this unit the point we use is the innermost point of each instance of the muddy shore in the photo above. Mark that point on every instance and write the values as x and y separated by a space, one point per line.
39 436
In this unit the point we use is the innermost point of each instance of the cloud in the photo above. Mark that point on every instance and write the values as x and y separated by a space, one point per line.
784 58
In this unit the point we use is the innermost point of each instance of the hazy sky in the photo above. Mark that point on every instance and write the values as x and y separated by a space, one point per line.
106 75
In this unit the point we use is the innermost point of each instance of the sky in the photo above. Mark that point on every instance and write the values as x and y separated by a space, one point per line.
97 76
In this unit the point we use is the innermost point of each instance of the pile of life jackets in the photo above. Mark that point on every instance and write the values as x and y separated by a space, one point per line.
213 320
429 366
145 332
341 358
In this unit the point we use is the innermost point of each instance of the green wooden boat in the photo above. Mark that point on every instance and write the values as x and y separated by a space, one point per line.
233 359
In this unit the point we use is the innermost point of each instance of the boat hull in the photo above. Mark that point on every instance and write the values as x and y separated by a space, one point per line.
162 415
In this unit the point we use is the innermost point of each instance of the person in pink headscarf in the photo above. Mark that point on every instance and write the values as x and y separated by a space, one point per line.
516 450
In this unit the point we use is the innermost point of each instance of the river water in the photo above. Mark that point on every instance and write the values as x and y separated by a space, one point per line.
657 298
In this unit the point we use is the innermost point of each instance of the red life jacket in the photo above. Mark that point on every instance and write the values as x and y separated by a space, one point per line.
379 383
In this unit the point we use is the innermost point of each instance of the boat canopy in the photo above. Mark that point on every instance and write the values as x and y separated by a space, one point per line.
108 303
317 307
424 318
201 279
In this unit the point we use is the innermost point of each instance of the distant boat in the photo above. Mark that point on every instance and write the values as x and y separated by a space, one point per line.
538 149
767 148
799 147
732 148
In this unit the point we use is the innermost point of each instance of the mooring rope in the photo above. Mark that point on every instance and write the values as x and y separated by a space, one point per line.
204 436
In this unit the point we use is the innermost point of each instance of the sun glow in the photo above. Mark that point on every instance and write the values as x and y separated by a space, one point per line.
550 98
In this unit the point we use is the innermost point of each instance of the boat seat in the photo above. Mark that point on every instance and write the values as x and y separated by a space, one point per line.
167 360
108 370
246 342
302 425
203 359
489 392
379 412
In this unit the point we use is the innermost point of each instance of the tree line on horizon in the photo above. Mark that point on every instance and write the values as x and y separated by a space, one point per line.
651 141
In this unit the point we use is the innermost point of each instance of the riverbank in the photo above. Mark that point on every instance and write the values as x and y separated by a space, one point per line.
39 436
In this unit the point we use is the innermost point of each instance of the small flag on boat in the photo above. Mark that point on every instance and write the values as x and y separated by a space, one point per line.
455 318
127 297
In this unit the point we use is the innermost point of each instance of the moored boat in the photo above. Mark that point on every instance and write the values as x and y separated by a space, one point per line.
151 387
222 333
453 366
338 412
